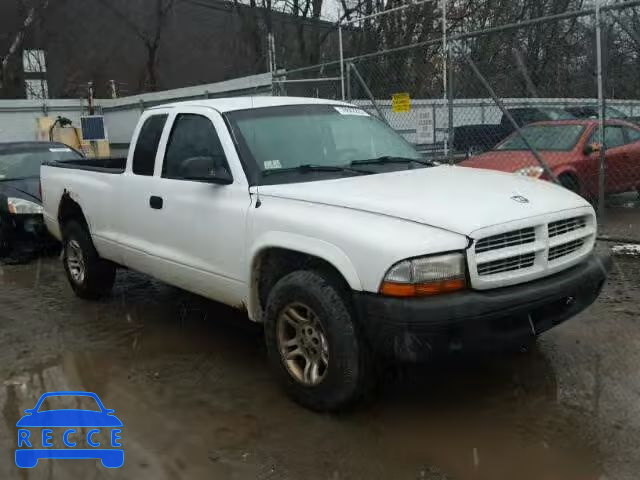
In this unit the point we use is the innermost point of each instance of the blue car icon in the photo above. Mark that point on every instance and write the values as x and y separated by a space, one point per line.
28 452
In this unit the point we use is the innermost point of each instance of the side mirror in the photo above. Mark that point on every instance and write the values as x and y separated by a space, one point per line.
592 148
29 411
205 169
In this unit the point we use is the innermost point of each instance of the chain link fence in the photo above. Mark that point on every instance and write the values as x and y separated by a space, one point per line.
529 96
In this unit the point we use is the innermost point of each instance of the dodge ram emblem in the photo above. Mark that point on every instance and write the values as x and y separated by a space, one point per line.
520 199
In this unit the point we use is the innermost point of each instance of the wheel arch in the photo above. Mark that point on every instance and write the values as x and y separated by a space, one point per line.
570 172
278 255
69 209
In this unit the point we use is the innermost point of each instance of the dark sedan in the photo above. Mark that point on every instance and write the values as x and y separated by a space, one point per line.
22 230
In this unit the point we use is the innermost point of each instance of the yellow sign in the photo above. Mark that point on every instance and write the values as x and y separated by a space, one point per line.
401 102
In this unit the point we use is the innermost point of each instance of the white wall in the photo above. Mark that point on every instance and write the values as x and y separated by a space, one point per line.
18 117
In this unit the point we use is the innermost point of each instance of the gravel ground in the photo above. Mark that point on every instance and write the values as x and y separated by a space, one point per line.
188 379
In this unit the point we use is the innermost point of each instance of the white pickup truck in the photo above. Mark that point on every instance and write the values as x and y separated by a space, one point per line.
329 228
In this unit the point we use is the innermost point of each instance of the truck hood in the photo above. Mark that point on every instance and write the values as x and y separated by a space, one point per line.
457 199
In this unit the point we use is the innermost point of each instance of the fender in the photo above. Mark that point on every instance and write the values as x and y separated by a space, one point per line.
303 244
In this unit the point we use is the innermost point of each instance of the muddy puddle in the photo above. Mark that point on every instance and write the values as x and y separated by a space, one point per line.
189 381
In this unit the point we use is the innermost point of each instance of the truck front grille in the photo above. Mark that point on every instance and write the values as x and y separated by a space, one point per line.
565 249
503 256
565 226
505 240
507 264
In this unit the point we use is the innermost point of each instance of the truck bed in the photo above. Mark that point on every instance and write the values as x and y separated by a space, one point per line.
113 166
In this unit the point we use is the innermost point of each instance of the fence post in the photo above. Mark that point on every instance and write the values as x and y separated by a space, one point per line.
348 79
450 100
601 114
365 87
341 60
434 115
508 115
445 73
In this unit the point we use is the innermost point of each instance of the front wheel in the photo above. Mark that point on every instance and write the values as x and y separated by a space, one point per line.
90 276
314 344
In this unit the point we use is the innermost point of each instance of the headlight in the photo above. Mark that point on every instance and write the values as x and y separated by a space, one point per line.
19 206
425 276
533 172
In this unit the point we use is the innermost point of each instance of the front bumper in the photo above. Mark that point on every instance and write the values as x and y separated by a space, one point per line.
412 330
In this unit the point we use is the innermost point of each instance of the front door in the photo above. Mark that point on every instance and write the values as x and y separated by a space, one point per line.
617 179
201 226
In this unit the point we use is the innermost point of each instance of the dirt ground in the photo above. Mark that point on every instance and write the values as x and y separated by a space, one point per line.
188 379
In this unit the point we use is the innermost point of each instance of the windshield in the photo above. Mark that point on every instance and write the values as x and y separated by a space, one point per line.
545 137
26 163
284 138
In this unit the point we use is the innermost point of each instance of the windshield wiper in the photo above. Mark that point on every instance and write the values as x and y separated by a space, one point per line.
317 168
386 160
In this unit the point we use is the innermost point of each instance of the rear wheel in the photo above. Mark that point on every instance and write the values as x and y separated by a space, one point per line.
90 276
314 343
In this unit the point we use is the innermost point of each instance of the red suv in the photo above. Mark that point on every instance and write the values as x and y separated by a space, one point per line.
571 149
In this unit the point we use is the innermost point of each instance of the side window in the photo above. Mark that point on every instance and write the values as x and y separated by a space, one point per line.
614 136
633 135
144 156
193 142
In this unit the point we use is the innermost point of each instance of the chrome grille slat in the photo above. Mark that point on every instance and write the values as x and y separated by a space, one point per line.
568 225
565 249
523 236
517 262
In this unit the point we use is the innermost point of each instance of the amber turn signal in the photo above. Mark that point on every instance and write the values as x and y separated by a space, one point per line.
404 290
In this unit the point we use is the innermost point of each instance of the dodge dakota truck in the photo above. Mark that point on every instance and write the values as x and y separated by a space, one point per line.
331 230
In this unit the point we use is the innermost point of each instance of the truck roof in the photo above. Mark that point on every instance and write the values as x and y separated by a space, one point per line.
231 104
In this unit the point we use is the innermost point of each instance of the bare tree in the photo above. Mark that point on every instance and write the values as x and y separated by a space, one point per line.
33 13
150 35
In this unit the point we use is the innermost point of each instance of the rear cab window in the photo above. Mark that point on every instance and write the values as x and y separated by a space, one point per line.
144 156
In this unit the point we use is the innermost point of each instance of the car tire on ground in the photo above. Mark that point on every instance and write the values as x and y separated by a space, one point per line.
90 276
570 182
314 343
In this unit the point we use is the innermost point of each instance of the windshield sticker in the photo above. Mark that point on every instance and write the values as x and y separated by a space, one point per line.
60 150
272 164
351 111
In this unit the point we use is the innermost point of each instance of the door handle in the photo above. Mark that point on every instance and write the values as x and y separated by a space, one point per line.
156 203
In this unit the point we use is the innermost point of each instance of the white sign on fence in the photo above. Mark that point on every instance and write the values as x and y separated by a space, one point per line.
425 129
